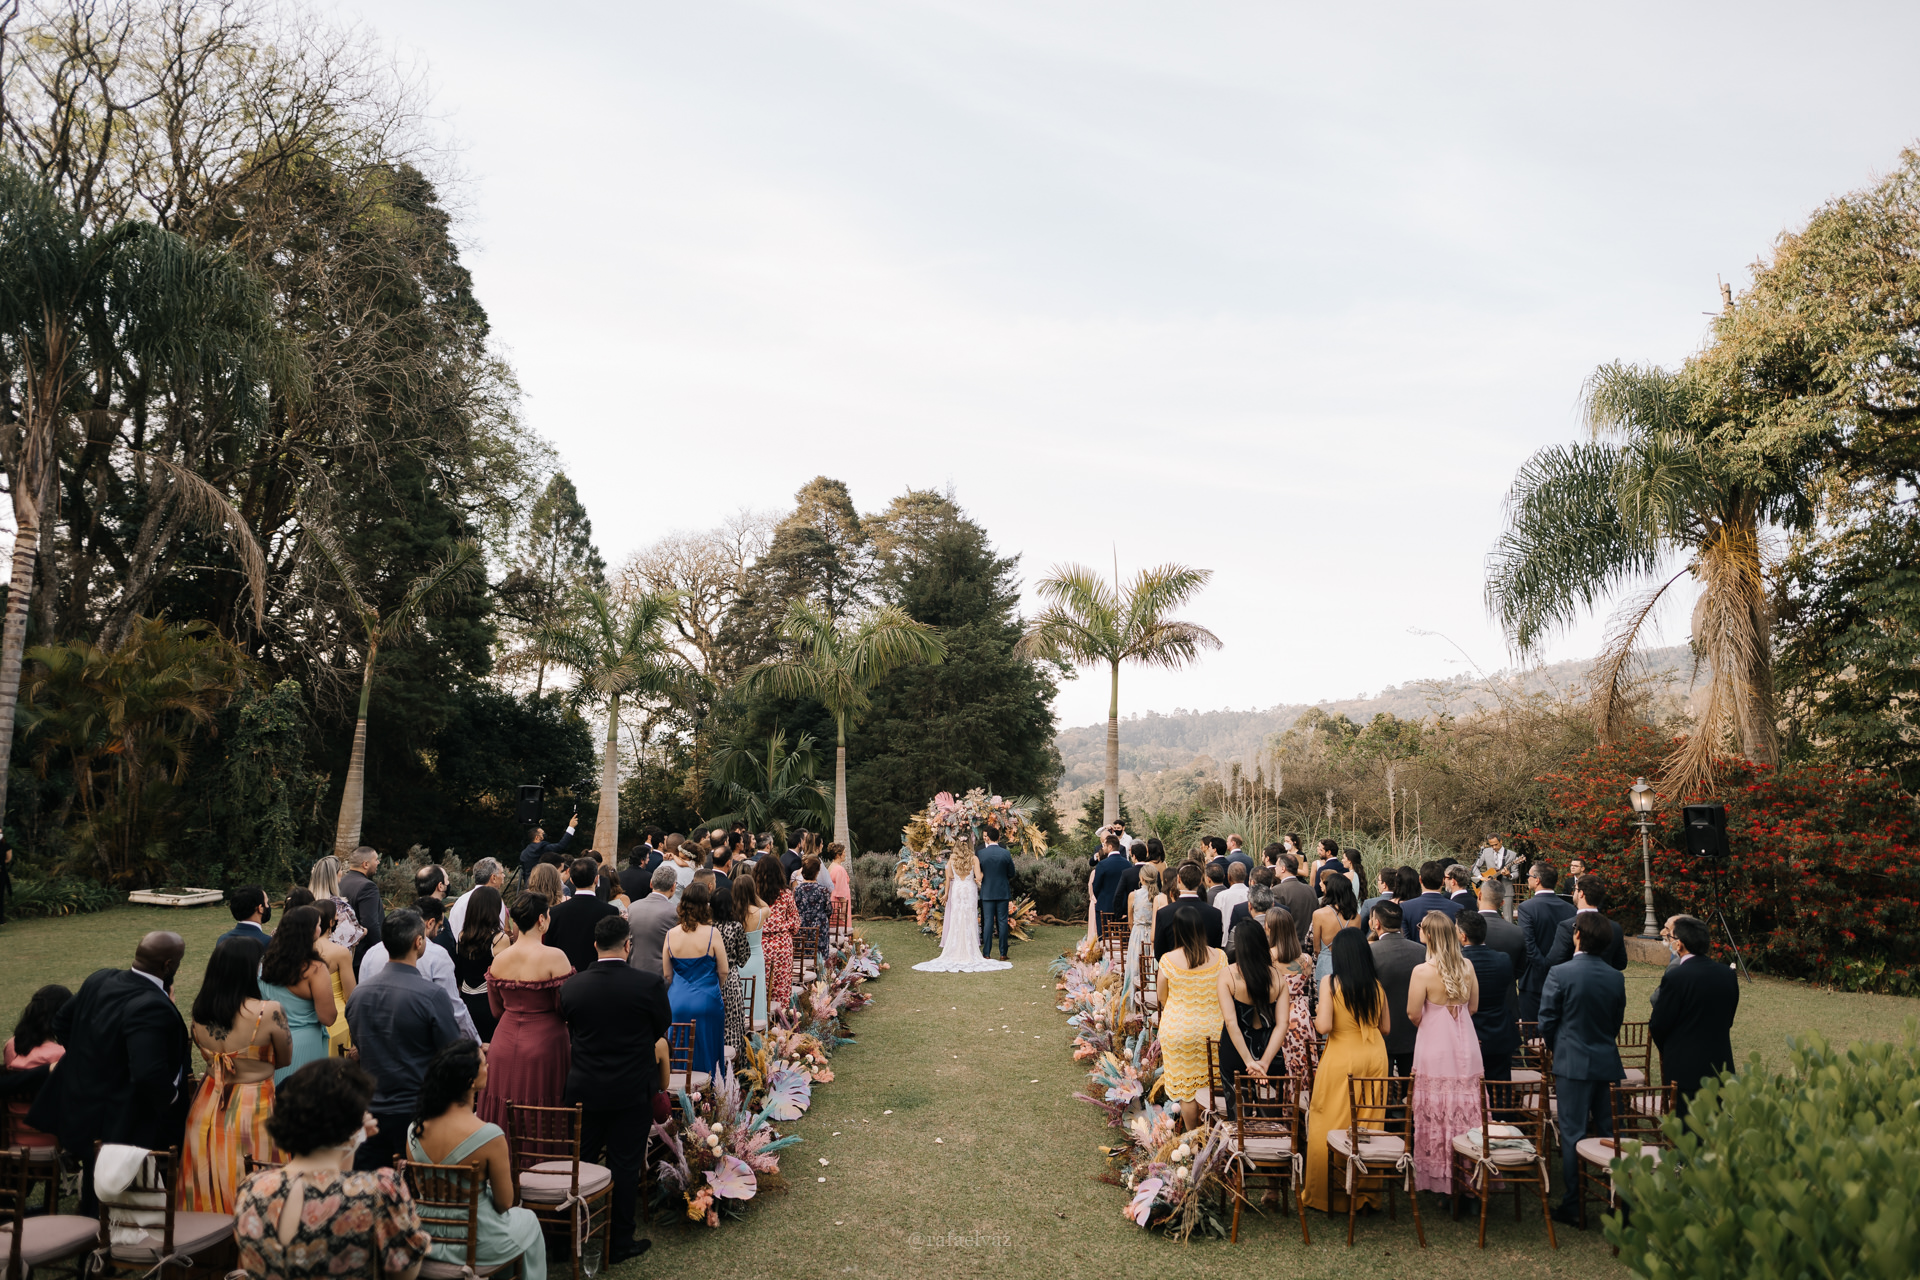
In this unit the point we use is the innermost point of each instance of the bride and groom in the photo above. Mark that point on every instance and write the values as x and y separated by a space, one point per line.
978 888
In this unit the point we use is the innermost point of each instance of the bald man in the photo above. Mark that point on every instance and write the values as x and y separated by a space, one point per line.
124 1076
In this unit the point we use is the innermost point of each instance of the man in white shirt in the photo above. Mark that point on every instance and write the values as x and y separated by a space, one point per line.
436 966
1232 896
487 874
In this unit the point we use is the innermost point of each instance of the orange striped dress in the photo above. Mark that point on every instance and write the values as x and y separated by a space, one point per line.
228 1122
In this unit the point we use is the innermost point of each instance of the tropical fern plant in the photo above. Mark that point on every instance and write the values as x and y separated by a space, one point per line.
767 785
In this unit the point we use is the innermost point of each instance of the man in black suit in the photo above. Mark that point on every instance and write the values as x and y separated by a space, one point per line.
1108 874
251 910
124 1076
539 849
1297 896
1693 1011
616 1017
1581 1009
570 927
996 890
1394 958
1540 918
790 860
1589 897
1494 1021
1237 854
363 895
1503 935
636 878
1188 879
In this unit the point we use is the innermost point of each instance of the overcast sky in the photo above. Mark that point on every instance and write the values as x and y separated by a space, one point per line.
1283 291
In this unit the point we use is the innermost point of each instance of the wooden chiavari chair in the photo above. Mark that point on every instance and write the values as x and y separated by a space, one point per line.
1366 1153
1509 1112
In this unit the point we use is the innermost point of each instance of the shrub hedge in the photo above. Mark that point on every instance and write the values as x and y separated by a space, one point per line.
62 896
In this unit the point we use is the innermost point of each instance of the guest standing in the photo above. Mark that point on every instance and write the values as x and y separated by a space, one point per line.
1589 896
342 1222
1298 897
1395 958
399 1020
1352 1015
1539 917
841 882
572 924
1140 912
339 962
1430 899
1186 893
243 1038
445 1130
1581 1009
750 913
124 1076
1441 1000
1495 1021
1692 1021
488 873
528 1055
1108 874
1459 887
1339 910
694 965
538 851
1503 935
812 900
324 884
1234 895
293 975
777 932
649 918
251 913
616 1014
480 941
1253 1007
1189 990
1296 1038
361 893
733 992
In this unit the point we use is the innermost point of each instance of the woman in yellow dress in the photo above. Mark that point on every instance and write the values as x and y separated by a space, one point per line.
339 962
1353 1016
242 1038
1189 986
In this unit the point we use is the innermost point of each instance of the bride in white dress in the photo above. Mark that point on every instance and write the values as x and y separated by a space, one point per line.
960 928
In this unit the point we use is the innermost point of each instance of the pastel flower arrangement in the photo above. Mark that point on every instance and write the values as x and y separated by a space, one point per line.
945 822
1177 1179
720 1155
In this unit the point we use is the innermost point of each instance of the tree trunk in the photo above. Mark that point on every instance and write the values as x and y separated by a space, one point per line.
606 825
1759 716
346 835
841 826
1111 810
13 638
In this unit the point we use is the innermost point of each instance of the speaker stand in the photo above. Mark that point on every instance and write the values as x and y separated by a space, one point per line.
1716 916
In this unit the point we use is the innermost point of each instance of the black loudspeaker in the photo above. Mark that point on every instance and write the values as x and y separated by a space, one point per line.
1706 830
529 811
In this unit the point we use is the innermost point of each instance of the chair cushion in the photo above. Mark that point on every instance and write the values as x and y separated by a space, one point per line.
1634 1076
1600 1151
1468 1147
192 1232
1375 1146
1523 1075
433 1269
550 1181
51 1238
1264 1148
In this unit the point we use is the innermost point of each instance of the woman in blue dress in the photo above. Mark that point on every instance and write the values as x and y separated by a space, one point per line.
694 963
293 972
445 1130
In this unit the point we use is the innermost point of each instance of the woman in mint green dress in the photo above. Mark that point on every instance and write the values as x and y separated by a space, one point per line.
445 1130
293 972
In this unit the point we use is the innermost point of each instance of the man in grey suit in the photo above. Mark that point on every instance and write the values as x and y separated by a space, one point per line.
1394 958
652 918
1540 918
1581 1009
1297 896
996 887
1503 935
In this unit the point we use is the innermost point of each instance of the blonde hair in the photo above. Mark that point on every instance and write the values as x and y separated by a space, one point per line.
1443 953
324 881
545 880
1149 878
962 862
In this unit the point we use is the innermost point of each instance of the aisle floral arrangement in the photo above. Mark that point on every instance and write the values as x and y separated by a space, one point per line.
1178 1180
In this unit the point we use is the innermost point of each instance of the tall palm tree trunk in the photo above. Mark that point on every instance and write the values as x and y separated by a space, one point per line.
346 835
1112 806
841 827
606 825
13 638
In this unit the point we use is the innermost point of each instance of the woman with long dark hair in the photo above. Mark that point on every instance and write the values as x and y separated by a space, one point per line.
777 931
530 1049
1189 1011
1253 1005
293 975
445 1130
1353 1016
694 964
481 939
1339 909
339 967
1296 970
242 1038
31 1047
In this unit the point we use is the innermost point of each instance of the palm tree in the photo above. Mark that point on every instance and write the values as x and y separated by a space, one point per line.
1088 621
1587 520
837 664
616 649
767 786
457 571
82 308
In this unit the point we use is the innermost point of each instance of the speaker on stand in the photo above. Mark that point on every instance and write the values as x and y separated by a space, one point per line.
1706 837
528 811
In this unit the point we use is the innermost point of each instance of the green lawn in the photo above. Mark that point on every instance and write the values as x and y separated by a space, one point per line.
1011 1187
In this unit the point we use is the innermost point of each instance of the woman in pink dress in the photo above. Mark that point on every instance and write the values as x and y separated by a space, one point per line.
528 1058
1441 999
841 905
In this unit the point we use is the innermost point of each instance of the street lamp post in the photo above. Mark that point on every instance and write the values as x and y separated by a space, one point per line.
1643 799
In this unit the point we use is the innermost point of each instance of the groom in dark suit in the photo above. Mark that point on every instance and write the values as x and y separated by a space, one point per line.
996 888
615 1014
124 1077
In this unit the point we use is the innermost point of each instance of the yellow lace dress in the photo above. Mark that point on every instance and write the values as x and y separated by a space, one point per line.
339 1039
1191 1017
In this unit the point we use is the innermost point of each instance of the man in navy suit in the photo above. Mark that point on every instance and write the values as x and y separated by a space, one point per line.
1430 899
1693 1010
250 910
1493 1021
1581 1009
996 887
1108 875
1540 918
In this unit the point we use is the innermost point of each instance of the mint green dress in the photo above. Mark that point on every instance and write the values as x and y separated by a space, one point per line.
303 1024
503 1236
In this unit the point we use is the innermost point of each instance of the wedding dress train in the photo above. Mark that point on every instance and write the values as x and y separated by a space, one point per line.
960 934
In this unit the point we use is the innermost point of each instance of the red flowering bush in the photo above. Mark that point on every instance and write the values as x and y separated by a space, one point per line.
1822 884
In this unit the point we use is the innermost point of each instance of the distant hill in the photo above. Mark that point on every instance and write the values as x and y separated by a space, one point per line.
1164 757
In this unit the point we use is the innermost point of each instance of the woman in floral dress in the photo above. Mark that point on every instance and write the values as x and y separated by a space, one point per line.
776 935
814 901
1296 1043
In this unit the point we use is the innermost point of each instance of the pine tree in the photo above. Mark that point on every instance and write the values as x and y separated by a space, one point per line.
558 559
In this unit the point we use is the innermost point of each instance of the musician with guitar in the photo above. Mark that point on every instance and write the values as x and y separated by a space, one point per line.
1499 864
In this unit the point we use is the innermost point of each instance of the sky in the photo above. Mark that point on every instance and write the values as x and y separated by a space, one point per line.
1283 291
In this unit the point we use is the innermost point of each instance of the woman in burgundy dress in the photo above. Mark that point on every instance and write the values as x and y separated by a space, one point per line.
528 1057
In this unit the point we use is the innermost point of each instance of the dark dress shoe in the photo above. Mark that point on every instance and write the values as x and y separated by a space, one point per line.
1566 1216
624 1249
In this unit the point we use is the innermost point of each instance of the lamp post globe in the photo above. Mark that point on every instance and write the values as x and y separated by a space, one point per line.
1642 799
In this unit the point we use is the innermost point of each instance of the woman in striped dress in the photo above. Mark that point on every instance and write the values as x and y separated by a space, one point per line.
242 1038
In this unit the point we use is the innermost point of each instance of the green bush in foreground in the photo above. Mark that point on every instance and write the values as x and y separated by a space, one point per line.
1812 1172
65 896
